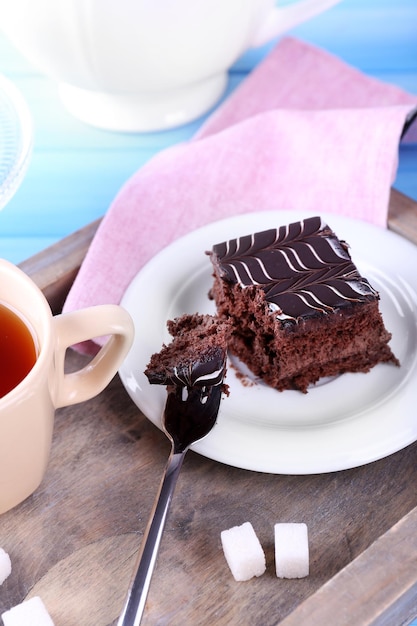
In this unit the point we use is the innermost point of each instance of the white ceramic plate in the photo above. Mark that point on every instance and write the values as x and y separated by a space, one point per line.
349 421
15 139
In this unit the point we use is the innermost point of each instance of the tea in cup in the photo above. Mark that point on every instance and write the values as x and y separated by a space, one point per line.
33 344
18 349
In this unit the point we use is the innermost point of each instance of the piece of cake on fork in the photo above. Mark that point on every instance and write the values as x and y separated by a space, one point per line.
298 307
196 356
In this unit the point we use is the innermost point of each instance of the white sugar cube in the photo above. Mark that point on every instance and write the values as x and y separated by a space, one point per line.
243 552
5 566
29 613
291 550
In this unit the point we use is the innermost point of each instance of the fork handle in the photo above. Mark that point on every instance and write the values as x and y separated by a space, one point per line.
139 587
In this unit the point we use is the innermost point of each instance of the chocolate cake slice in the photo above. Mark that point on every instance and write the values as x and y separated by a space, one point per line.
196 356
298 307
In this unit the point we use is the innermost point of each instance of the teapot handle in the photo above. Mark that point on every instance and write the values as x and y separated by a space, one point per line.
281 19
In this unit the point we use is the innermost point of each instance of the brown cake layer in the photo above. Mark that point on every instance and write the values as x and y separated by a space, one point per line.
298 307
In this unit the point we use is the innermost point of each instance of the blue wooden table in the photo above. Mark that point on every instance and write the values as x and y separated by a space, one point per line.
76 170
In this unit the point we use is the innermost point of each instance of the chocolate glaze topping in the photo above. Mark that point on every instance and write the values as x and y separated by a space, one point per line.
303 269
208 371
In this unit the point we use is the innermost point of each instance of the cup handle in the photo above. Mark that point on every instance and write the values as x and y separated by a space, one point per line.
83 325
281 19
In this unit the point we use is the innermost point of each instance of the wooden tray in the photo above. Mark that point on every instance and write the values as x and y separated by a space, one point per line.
75 540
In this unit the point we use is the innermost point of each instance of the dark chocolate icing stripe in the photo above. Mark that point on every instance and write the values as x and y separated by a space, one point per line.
195 376
303 268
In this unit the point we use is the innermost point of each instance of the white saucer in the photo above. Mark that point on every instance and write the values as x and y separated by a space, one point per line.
339 424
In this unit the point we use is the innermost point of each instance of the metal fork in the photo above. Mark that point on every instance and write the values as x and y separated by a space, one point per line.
190 414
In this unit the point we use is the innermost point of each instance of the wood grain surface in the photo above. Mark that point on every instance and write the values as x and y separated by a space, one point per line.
75 540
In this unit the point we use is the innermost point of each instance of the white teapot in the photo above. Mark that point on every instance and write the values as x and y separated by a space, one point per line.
141 65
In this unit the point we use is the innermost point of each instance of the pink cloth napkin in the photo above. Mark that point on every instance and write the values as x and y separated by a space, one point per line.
303 131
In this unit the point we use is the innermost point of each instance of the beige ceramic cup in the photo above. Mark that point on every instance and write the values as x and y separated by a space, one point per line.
27 411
